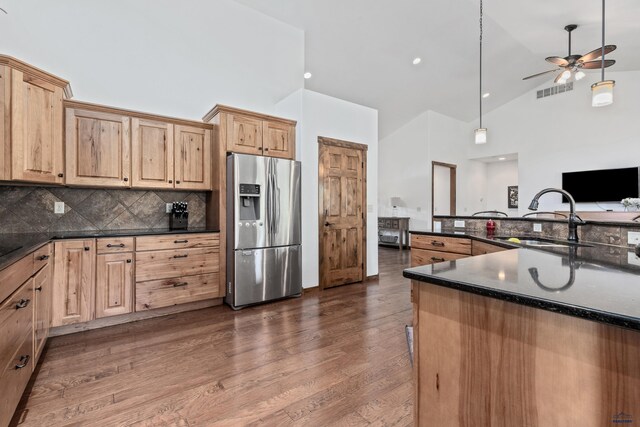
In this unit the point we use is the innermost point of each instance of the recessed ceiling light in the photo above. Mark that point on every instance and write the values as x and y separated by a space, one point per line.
417 60
486 95
307 75
502 158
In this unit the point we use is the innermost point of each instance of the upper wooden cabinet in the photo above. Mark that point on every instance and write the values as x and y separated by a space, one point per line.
112 147
152 154
192 158
31 148
247 132
98 148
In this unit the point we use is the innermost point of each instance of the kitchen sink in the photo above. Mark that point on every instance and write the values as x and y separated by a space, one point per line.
540 242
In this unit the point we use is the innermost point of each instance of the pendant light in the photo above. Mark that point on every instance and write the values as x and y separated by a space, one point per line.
481 133
602 91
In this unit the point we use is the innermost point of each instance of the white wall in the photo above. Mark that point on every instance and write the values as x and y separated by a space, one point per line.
564 133
161 56
501 175
322 115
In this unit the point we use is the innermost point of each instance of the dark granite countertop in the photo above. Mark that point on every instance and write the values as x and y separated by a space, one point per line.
14 246
631 224
595 282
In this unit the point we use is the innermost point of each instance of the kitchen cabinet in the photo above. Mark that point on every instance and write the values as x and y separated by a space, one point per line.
192 158
97 148
114 284
31 123
74 282
177 269
152 143
430 249
246 132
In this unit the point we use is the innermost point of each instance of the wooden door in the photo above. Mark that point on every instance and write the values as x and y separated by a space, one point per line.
279 139
342 192
43 293
152 153
36 130
98 147
114 284
74 282
244 134
192 158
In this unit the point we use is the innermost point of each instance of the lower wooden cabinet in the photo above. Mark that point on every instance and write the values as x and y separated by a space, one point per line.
166 292
74 282
425 257
15 377
114 284
42 295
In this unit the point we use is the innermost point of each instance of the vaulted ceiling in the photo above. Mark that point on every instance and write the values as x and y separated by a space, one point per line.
362 50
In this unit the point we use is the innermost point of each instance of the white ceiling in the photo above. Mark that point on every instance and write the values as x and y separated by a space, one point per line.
362 50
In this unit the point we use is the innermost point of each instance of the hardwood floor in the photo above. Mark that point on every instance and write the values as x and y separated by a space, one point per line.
333 357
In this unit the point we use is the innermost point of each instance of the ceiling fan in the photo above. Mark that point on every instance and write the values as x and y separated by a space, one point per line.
572 65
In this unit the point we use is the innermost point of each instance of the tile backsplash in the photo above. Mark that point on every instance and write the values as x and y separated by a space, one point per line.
30 209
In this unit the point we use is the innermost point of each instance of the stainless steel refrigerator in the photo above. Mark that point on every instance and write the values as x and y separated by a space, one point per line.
264 255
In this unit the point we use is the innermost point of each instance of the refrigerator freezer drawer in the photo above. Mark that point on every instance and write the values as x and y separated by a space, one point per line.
265 274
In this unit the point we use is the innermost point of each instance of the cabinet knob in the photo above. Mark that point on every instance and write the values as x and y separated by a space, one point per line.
24 361
60 175
87 248
23 303
266 149
170 181
177 182
39 289
126 179
128 261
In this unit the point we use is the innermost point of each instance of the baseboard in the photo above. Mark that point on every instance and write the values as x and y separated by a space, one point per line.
132 317
370 278
310 290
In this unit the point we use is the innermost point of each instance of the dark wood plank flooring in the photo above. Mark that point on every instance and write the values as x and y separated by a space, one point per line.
336 357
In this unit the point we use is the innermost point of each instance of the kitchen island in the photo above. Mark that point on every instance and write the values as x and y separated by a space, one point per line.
529 338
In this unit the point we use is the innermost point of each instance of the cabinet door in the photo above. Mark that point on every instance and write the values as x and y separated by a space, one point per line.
192 158
98 147
244 135
279 140
36 130
152 154
73 282
114 284
42 309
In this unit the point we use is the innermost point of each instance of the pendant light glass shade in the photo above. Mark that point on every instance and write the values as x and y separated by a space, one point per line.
602 93
481 135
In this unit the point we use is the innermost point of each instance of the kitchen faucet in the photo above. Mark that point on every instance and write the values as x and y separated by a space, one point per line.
574 220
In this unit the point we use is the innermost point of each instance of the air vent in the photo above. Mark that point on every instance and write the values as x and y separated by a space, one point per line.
554 90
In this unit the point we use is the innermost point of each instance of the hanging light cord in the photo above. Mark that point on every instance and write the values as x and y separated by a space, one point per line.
602 40
480 85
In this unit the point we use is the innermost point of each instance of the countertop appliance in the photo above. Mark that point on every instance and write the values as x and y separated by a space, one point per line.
179 219
264 255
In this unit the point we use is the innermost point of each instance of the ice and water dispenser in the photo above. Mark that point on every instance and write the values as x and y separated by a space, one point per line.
249 202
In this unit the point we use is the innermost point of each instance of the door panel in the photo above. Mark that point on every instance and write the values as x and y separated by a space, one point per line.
192 158
98 148
341 215
279 140
152 156
74 282
36 130
114 284
244 135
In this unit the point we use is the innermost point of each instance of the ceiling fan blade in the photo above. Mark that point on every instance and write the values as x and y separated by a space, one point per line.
557 61
558 78
593 65
597 53
539 74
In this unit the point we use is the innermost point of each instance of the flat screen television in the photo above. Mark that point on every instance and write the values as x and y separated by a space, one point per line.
605 185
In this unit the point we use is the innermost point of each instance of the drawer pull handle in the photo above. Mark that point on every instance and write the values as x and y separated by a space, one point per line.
434 259
121 245
23 303
180 256
180 241
24 361
43 257
178 285
39 289
436 243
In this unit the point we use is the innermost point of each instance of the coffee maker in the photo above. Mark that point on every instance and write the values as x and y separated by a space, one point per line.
179 219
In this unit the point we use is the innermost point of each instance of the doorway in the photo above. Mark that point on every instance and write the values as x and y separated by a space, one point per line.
443 189
342 216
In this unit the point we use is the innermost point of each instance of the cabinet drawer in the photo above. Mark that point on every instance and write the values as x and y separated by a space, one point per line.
426 257
112 245
13 276
177 241
42 256
14 378
177 263
15 322
167 292
458 245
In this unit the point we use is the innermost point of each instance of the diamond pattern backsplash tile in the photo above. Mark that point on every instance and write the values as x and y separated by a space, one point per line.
30 209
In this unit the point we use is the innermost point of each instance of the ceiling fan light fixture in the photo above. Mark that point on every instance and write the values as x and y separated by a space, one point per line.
602 93
481 136
580 75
